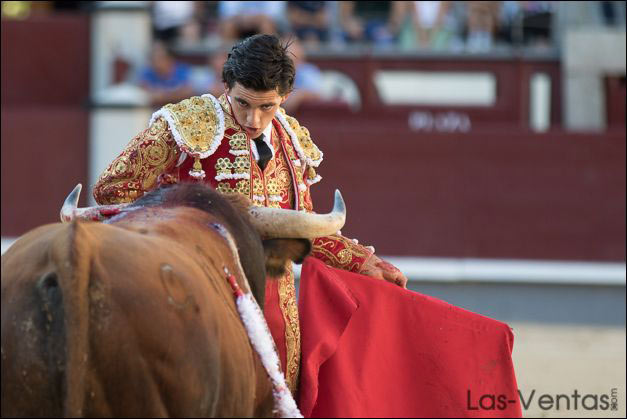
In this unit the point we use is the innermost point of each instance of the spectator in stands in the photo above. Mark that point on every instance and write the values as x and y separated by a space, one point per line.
309 21
482 23
165 79
612 12
509 29
429 20
526 23
378 22
176 20
241 19
537 17
208 79
308 79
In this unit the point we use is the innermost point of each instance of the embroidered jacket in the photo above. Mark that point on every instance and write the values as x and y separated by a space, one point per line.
199 138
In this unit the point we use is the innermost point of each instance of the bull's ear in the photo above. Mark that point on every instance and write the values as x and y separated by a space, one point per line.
278 251
239 201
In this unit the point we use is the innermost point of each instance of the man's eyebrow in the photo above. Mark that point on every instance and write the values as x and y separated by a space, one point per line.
246 102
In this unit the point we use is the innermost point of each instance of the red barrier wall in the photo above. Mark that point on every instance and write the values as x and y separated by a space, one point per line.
45 61
490 195
45 88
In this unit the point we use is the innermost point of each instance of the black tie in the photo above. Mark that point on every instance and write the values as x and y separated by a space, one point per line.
264 152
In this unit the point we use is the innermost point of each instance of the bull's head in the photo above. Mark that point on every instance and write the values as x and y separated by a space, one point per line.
285 234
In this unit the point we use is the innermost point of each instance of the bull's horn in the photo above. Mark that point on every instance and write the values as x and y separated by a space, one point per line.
292 224
70 204
69 210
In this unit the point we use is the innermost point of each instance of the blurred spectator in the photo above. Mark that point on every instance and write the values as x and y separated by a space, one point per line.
69 6
208 79
176 20
309 21
429 22
373 21
482 23
527 23
612 12
307 82
241 19
537 16
165 79
509 28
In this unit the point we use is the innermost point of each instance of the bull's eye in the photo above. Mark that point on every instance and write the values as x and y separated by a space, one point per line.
220 229
217 227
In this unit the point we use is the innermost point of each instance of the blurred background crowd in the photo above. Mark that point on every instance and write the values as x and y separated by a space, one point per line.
436 25
475 26
315 27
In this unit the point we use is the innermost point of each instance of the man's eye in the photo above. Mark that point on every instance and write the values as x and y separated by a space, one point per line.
266 107
241 103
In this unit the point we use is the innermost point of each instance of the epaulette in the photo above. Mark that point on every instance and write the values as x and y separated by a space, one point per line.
197 125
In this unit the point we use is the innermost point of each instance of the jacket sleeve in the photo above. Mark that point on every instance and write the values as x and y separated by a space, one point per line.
149 155
340 252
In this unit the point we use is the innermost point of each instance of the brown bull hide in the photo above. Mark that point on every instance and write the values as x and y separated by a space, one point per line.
133 318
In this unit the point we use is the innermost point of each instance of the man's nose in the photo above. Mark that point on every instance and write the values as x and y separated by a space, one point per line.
253 118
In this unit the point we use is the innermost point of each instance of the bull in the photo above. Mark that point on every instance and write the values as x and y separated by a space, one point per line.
134 316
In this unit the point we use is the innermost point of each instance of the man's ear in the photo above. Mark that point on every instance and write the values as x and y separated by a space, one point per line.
284 98
278 251
227 89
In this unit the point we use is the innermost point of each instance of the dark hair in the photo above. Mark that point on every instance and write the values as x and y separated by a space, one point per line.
260 63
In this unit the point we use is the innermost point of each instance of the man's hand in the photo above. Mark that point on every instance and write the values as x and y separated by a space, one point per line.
380 269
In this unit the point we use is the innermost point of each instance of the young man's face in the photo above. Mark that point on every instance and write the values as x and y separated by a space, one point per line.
254 109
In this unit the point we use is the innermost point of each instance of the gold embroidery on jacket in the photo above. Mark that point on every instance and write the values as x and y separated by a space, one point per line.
135 171
341 252
241 164
238 142
229 121
242 187
258 186
290 149
223 166
289 309
279 182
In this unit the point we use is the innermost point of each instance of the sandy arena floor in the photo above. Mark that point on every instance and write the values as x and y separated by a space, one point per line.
557 359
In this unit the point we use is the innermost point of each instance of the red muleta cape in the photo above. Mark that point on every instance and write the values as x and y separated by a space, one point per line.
372 349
